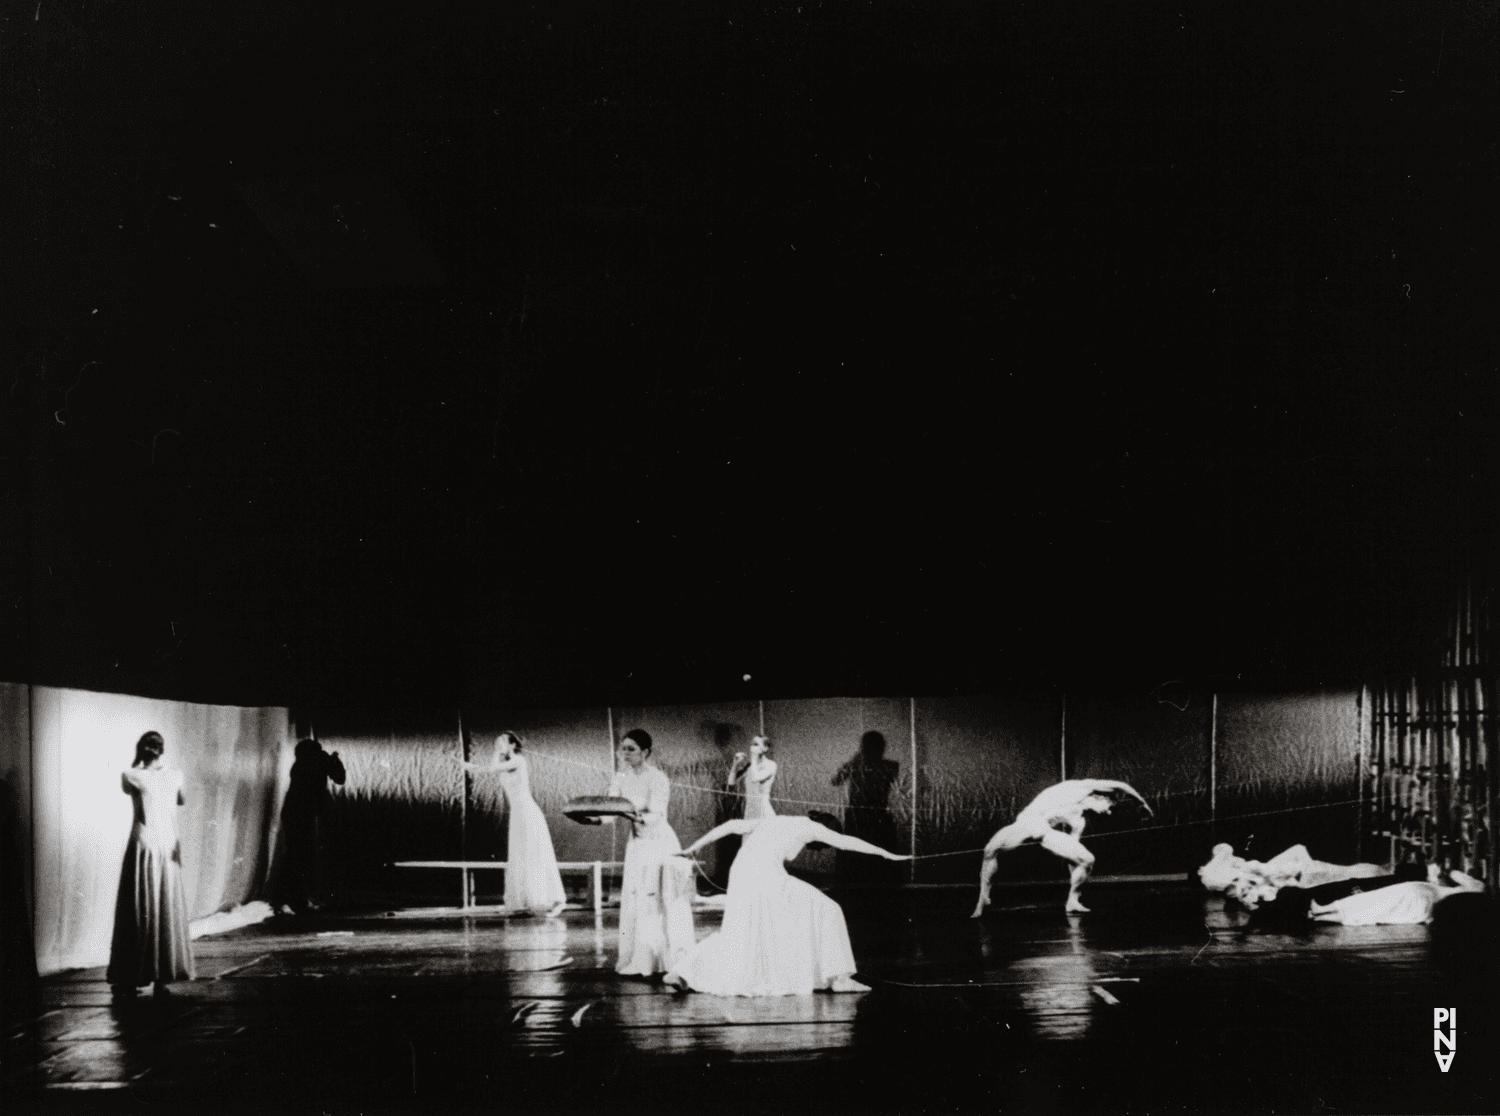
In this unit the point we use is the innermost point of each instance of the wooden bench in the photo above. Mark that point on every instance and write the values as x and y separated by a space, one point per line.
469 867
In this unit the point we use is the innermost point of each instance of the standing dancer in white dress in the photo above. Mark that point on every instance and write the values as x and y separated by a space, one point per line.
1054 820
757 774
532 882
151 943
656 891
781 936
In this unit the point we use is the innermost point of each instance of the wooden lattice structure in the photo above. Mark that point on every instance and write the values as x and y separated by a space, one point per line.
1428 756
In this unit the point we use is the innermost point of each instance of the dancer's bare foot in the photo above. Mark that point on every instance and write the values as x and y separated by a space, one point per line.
557 910
675 982
847 984
1075 907
984 901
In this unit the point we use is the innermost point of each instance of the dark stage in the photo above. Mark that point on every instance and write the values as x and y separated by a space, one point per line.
1159 1000
1036 391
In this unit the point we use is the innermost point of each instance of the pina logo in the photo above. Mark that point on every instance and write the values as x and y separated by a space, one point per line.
1440 1040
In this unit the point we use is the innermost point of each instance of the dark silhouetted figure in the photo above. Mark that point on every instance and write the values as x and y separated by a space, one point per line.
18 976
300 882
869 777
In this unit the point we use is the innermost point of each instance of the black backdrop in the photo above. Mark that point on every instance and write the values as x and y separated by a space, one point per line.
859 349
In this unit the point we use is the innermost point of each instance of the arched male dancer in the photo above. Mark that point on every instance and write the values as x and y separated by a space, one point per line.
1054 819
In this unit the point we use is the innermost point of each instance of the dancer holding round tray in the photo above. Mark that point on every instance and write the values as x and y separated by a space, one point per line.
656 891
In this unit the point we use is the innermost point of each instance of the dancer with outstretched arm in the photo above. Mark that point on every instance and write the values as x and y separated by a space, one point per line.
1055 820
533 883
780 936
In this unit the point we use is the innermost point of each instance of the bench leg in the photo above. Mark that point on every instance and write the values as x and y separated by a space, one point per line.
598 887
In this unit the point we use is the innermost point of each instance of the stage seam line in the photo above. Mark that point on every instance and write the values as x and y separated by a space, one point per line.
246 965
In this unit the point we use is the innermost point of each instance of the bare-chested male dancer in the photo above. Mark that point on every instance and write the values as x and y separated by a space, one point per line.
1055 821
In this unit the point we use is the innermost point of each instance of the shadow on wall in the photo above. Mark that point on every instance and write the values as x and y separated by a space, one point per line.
868 778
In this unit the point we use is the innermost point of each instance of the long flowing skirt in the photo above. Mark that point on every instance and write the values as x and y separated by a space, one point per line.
656 904
532 881
780 937
151 943
1402 904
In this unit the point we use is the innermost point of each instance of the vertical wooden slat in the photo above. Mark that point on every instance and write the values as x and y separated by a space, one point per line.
915 778
1062 745
1362 711
1213 761
1492 775
463 812
609 720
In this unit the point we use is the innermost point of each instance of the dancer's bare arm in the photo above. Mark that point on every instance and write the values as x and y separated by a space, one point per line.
507 767
852 844
736 769
1123 788
738 826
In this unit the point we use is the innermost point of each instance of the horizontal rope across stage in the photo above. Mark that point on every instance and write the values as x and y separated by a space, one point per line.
1151 828
609 773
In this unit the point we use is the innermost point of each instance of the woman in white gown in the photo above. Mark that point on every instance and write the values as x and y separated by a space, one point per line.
781 936
755 776
151 944
532 882
1401 904
656 890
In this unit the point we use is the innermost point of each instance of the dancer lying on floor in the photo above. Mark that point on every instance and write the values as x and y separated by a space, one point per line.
1054 820
1402 904
781 936
1252 882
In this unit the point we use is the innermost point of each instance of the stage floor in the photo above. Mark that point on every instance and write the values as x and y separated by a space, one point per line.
1156 1001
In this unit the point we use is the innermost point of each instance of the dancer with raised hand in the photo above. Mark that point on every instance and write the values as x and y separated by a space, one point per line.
1055 820
755 776
656 891
151 943
532 882
780 936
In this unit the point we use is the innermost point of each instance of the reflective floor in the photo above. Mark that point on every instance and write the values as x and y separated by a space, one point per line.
1157 1001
